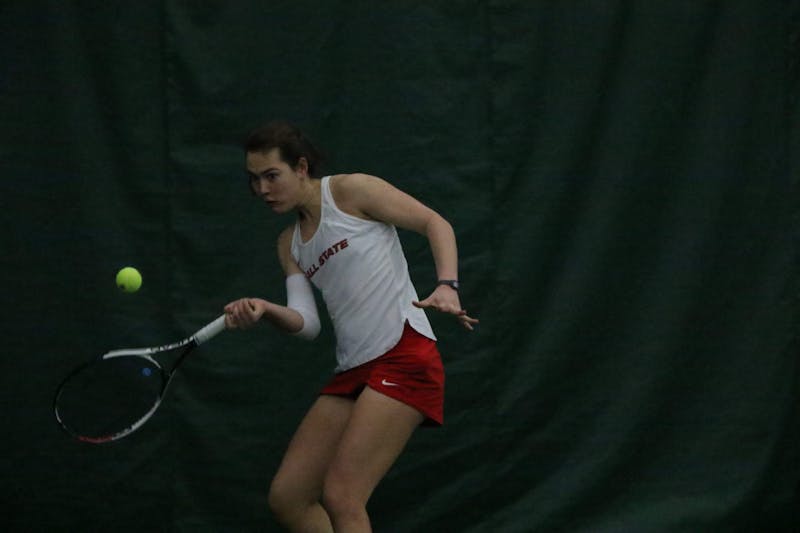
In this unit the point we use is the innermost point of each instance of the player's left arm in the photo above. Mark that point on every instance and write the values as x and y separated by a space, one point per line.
377 199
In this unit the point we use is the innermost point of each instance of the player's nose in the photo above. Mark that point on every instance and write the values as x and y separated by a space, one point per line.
261 187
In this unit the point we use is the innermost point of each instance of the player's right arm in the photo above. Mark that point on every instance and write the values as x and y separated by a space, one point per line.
298 317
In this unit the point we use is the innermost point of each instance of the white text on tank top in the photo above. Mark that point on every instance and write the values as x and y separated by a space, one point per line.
359 267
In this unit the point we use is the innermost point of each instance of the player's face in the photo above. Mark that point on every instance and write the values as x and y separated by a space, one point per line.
273 180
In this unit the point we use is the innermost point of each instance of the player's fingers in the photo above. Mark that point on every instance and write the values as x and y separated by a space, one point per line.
425 304
249 311
468 321
234 308
240 314
451 309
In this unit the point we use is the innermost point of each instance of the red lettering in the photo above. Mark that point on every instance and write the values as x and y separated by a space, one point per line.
326 255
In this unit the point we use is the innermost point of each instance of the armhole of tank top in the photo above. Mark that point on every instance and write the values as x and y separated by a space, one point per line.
297 242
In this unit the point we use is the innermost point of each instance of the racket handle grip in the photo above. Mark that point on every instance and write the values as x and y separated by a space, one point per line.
209 331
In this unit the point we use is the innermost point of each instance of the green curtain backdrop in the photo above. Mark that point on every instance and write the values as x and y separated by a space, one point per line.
623 181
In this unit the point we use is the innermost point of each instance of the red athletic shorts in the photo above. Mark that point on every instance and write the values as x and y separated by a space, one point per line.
411 372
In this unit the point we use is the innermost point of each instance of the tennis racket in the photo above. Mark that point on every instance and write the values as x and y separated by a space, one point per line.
113 395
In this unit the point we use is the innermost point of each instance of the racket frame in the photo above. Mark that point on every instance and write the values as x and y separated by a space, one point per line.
203 335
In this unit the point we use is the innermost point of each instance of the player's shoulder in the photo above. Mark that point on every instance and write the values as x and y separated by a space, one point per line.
353 192
353 182
356 188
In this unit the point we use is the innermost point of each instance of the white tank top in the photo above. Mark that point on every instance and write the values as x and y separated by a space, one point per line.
360 268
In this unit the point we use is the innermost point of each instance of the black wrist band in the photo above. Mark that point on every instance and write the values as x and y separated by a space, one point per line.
452 283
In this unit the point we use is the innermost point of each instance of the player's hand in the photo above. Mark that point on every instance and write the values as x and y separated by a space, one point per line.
445 300
244 313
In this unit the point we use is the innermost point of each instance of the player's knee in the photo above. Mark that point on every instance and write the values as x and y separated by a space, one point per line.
283 502
340 503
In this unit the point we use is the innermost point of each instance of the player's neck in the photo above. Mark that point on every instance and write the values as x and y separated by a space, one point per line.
310 205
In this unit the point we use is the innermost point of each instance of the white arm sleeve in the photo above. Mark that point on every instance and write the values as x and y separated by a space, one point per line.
300 297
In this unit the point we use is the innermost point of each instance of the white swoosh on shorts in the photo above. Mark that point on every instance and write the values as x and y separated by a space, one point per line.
389 383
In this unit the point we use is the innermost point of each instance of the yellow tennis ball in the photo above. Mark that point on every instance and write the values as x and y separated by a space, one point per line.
129 279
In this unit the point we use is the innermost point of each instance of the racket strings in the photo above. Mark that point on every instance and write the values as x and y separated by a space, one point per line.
109 396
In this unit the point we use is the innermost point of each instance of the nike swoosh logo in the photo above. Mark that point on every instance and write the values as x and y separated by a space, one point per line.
389 383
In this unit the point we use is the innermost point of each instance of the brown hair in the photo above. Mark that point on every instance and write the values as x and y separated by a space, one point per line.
289 140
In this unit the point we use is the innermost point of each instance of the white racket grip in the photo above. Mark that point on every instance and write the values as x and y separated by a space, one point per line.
209 331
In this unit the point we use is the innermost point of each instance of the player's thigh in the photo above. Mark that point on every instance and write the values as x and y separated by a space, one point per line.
378 430
311 449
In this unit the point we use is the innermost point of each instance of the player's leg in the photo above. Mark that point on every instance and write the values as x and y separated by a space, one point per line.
296 489
378 430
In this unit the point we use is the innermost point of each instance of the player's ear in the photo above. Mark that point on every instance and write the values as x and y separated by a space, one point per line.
302 166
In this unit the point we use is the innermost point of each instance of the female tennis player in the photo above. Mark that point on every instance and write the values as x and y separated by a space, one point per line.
389 377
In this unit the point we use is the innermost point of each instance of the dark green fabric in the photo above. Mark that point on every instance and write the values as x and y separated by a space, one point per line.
623 181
